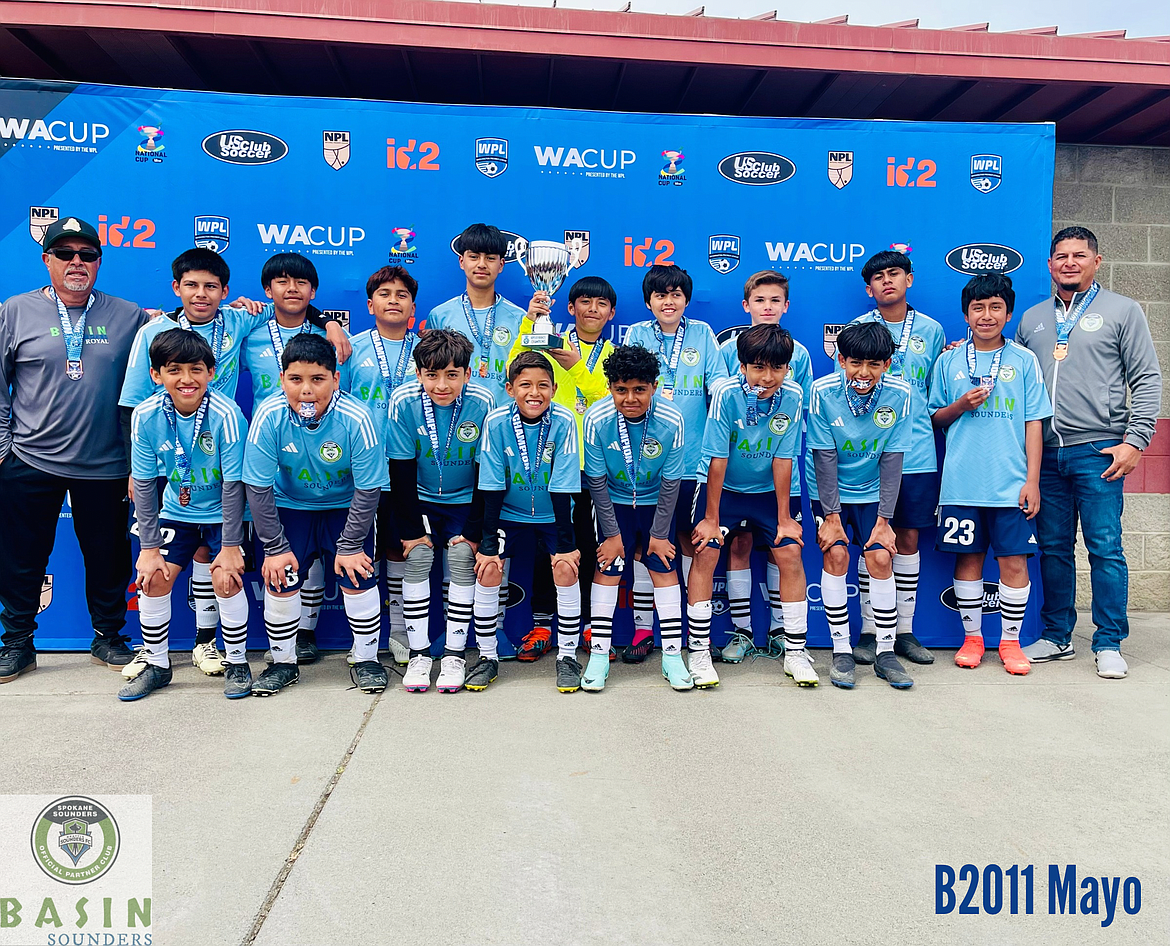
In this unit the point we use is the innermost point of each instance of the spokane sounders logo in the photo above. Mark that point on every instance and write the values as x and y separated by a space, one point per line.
75 840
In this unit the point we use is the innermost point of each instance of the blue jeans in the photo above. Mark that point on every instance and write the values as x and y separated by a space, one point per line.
1070 487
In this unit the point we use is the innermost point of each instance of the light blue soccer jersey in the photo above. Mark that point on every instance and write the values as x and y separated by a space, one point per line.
506 325
315 469
657 448
858 441
700 365
799 369
926 342
986 462
501 466
238 324
749 450
365 381
410 440
262 357
217 455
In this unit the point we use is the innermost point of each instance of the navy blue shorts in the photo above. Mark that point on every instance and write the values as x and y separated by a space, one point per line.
917 501
977 528
634 526
387 538
443 521
312 534
746 512
858 520
686 501
515 535
182 539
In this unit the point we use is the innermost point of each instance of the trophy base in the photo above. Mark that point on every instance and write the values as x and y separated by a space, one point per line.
541 341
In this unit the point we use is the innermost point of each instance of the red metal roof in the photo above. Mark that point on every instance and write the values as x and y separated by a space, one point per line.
1097 88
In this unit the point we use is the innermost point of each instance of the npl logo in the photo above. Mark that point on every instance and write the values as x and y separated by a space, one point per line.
39 221
723 252
491 156
986 172
335 148
211 233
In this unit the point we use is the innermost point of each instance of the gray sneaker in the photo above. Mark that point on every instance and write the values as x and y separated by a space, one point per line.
889 669
1044 650
1111 665
866 650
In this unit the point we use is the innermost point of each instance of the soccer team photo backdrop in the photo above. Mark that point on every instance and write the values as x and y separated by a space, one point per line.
356 184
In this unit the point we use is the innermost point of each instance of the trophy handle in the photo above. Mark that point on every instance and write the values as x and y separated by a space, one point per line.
574 253
522 253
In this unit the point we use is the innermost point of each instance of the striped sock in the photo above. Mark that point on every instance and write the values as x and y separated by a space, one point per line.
777 610
459 617
699 626
364 612
643 599
206 613
485 608
396 596
835 596
1013 602
233 613
312 596
867 622
739 597
883 593
602 604
795 624
154 616
906 568
568 619
416 607
281 619
969 601
668 602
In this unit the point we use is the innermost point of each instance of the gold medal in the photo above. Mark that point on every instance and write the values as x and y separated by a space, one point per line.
1060 352
184 495
483 366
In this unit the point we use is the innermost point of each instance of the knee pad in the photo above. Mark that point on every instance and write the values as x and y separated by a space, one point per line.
461 560
418 564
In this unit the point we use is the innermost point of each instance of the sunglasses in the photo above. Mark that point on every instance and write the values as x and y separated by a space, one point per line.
65 254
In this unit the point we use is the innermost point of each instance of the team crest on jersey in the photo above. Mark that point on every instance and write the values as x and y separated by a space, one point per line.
468 431
39 220
501 336
550 449
832 330
779 423
1007 373
917 344
690 356
840 168
491 156
1091 322
884 417
335 148
207 443
651 449
46 594
330 452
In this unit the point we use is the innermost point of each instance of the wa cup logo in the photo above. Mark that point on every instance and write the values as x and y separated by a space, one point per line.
75 840
779 424
468 431
840 168
39 220
211 233
651 449
330 452
672 170
884 417
832 330
149 149
335 148
491 156
404 251
986 172
723 252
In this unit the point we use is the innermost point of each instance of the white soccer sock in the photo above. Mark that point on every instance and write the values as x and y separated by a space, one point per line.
668 602
643 597
462 598
395 596
867 622
602 604
485 608
883 593
775 605
568 619
281 618
233 613
312 596
835 596
698 627
154 617
1013 602
206 613
739 597
364 612
969 601
416 606
906 569
795 624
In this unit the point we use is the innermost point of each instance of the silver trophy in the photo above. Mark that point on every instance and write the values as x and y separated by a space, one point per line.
546 264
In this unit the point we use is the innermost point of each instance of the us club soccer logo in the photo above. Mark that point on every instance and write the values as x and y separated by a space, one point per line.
581 239
212 232
39 221
840 168
75 840
723 252
404 251
832 330
986 172
491 156
335 148
672 170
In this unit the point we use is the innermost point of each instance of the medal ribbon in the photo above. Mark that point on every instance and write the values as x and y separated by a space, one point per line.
74 334
898 361
428 409
277 339
531 470
632 462
858 405
751 394
594 355
182 457
303 418
987 380
218 331
1066 323
675 352
403 358
484 340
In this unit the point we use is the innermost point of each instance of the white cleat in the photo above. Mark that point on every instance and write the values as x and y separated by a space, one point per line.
703 670
136 666
797 666
399 652
417 678
452 672
209 660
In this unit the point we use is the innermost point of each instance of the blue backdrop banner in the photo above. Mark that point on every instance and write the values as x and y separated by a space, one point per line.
356 184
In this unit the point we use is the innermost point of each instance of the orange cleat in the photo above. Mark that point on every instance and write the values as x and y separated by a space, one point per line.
1013 658
534 645
971 653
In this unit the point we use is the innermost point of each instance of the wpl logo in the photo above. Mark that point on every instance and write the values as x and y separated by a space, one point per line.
986 172
211 233
723 252
491 156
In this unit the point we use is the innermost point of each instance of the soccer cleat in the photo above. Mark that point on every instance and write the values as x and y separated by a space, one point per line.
1111 665
307 650
866 650
587 640
532 648
1044 650
1013 658
841 673
275 678
16 660
399 652
136 666
111 651
237 681
676 673
209 660
452 670
640 649
703 673
738 646
796 665
151 679
568 675
889 669
596 673
369 676
908 646
971 653
417 678
483 673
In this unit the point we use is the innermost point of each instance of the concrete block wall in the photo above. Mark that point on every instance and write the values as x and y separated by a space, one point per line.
1123 195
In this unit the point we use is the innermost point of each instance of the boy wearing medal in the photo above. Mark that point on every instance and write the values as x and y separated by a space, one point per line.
315 468
750 441
194 436
529 468
989 396
918 340
633 449
690 363
580 379
436 422
859 427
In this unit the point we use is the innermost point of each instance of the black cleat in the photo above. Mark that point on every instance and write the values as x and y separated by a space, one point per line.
841 673
907 645
111 651
307 651
275 678
369 676
568 675
887 667
237 681
483 673
865 652
152 678
15 660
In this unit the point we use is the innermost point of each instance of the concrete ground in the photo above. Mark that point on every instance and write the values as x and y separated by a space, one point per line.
753 813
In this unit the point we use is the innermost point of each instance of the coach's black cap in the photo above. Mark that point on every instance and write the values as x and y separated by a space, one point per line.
70 227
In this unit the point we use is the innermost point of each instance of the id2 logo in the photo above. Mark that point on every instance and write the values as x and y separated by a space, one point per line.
114 233
639 254
403 157
903 175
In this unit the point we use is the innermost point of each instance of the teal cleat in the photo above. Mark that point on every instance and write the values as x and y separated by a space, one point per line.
676 673
596 673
